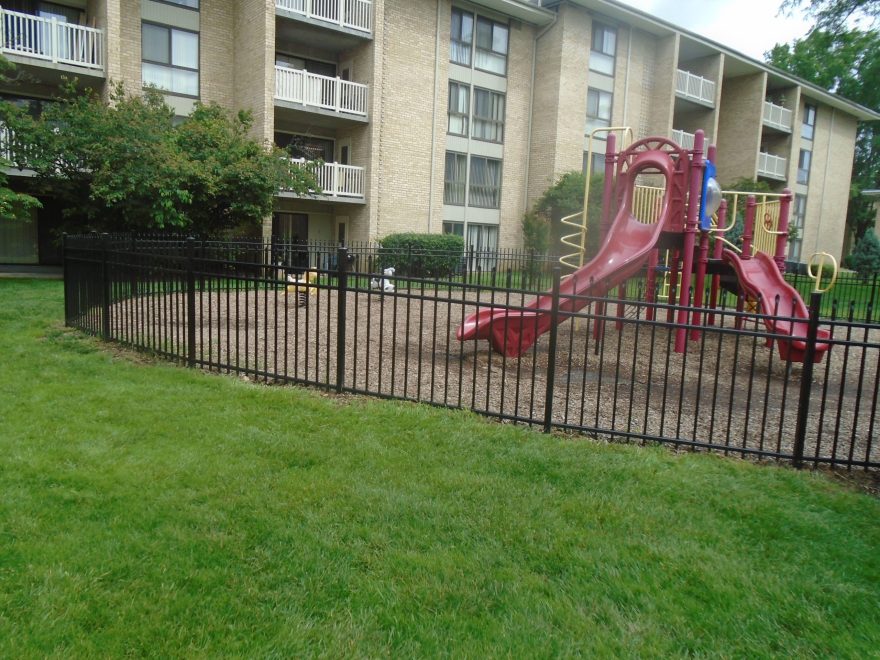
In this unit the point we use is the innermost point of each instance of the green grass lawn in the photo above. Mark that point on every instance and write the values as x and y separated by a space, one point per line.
150 510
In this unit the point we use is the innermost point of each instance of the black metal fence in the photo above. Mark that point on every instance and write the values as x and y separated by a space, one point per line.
609 370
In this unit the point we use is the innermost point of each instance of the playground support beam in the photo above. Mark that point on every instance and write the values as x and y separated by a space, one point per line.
782 228
606 219
702 262
690 239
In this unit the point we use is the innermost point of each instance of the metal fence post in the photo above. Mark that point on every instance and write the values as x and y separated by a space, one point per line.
105 290
341 294
800 434
551 352
190 302
64 278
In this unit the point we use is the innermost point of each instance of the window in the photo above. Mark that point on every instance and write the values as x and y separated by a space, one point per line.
484 190
456 179
488 115
459 107
799 213
598 163
482 240
454 228
491 53
598 109
191 4
803 173
170 59
809 126
461 37
603 49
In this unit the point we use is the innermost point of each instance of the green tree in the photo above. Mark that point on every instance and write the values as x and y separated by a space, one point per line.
865 259
845 62
130 165
564 198
832 15
14 205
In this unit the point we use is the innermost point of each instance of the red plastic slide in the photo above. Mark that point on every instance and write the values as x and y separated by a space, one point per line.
760 278
623 253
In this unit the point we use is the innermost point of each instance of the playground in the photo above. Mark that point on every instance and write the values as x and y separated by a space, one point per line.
756 378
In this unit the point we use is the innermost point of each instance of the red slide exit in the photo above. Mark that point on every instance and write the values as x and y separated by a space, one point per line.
760 278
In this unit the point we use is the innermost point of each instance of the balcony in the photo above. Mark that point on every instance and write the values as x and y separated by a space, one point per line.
49 40
356 15
684 139
338 182
695 88
777 116
321 94
772 166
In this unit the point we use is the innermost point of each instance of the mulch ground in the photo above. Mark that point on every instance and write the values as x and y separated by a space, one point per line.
728 389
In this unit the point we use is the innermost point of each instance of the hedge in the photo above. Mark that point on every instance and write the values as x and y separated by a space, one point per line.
421 255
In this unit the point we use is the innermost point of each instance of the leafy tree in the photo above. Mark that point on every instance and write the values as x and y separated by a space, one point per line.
865 259
845 62
566 197
129 165
14 206
832 15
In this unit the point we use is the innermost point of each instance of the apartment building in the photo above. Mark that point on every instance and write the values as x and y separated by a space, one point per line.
441 115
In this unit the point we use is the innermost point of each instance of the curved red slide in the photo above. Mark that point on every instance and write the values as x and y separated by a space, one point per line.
621 256
760 278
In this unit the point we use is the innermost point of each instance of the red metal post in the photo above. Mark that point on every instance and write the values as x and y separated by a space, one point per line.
690 239
608 189
702 265
749 227
611 157
782 238
651 284
674 258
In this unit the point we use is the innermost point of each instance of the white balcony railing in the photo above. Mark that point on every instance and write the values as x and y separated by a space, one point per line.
772 165
694 87
51 40
333 94
683 138
336 180
353 14
777 116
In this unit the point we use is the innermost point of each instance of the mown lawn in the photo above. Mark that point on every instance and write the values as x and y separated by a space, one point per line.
150 510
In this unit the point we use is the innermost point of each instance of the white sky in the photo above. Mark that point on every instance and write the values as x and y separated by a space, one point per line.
748 26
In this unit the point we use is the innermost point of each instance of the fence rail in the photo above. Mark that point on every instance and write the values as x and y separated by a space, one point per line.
694 87
608 370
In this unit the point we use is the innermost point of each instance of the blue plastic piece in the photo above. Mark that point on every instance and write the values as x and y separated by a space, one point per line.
705 215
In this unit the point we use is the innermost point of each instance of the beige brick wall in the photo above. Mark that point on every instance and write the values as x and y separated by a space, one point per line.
216 57
516 130
828 190
403 117
560 100
106 15
130 45
254 63
663 89
739 122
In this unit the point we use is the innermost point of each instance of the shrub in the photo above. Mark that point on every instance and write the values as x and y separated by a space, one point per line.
421 255
865 259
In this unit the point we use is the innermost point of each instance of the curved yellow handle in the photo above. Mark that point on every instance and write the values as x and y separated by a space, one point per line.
816 276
